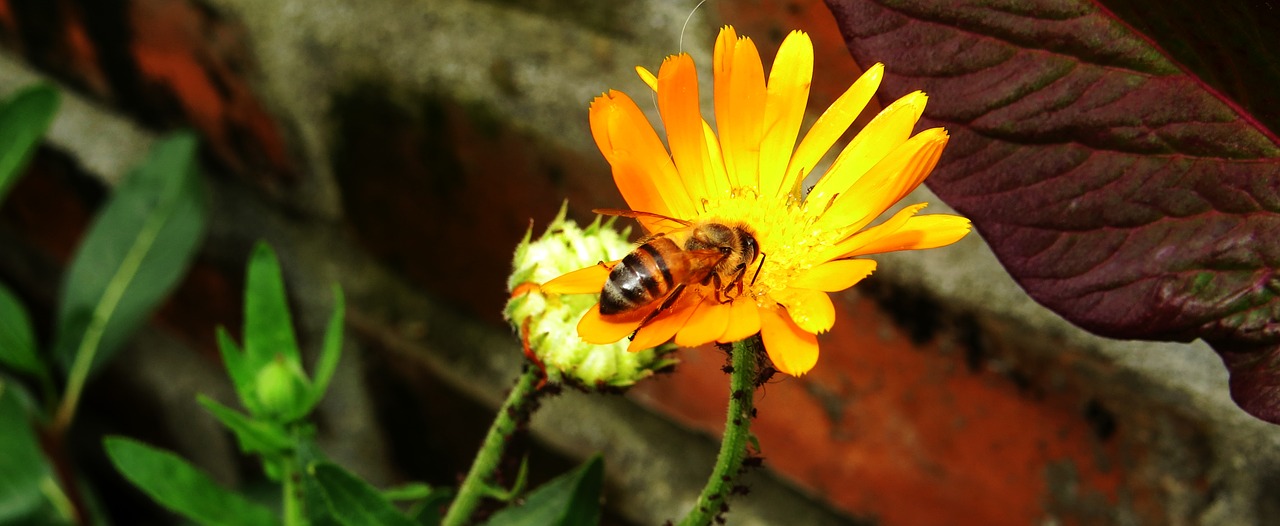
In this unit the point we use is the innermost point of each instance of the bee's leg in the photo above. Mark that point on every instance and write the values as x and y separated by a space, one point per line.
722 292
713 279
666 304
740 273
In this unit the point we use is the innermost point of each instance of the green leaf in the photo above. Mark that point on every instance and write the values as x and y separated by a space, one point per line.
268 327
517 487
22 464
306 452
572 499
410 491
179 486
23 120
238 368
17 340
138 247
254 436
332 351
350 500
316 503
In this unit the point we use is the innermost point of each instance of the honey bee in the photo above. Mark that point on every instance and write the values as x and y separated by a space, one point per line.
659 269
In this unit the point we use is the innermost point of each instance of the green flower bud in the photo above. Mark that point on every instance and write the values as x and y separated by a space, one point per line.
281 388
549 322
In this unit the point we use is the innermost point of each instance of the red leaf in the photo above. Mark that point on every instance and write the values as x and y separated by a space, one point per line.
1122 192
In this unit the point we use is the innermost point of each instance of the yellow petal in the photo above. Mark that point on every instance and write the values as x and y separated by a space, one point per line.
889 129
722 62
856 241
639 191
811 310
834 276
642 169
921 232
706 325
589 280
739 104
888 181
792 350
648 77
717 179
597 329
786 96
678 104
831 125
744 321
663 326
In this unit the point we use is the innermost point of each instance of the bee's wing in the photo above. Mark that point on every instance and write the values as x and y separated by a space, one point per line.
678 235
702 262
637 215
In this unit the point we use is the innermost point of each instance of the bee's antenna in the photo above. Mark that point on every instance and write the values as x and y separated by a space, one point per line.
758 267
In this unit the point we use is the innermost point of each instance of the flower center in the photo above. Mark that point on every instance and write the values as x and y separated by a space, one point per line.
789 242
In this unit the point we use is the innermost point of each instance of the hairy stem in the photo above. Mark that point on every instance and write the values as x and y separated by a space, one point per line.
737 434
476 486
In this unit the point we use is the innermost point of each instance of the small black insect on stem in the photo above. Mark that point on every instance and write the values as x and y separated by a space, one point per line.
766 373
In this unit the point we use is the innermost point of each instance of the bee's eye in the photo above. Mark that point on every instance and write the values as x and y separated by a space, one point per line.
749 245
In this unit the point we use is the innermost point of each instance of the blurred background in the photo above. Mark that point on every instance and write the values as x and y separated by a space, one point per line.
402 147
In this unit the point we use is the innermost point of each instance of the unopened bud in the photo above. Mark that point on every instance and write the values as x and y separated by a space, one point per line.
281 388
549 321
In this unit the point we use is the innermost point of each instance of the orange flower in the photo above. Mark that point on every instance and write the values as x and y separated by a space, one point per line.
750 171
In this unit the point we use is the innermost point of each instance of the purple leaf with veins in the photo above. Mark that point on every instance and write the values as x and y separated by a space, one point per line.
1119 188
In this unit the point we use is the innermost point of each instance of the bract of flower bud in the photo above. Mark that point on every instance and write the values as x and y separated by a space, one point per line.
549 321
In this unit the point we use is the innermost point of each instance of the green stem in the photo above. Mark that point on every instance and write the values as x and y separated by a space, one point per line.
737 434
476 486
53 442
291 495
80 369
58 498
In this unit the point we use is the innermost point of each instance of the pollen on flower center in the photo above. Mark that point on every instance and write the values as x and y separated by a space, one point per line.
788 240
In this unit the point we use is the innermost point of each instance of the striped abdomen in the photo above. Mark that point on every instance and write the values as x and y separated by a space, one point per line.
647 274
